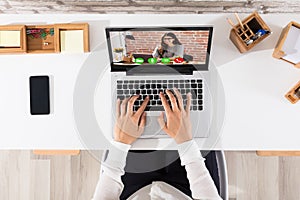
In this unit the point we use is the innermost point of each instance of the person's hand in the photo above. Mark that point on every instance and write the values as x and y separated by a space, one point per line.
178 124
160 49
129 124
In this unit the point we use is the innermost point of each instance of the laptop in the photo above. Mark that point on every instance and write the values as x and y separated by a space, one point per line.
176 57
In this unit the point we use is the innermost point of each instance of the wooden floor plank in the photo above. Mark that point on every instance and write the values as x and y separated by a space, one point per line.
247 176
4 174
231 161
87 175
268 178
40 180
60 179
290 178
19 175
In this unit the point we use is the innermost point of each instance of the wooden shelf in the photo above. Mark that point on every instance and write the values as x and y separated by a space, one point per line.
44 38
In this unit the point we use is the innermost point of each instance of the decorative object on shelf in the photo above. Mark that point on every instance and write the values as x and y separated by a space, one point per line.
248 32
40 32
118 50
128 59
118 54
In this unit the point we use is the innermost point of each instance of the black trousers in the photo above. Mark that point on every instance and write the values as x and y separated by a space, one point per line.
140 171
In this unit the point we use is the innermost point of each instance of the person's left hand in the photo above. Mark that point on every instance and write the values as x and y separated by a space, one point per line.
129 124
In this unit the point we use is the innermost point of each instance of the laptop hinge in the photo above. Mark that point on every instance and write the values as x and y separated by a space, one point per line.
145 70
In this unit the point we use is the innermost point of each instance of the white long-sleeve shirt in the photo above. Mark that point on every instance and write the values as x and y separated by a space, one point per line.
110 185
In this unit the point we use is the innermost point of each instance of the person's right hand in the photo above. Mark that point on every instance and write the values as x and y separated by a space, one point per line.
178 124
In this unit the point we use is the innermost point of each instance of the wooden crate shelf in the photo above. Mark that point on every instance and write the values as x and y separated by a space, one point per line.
42 38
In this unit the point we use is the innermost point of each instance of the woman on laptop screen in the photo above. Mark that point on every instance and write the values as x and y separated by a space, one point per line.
170 47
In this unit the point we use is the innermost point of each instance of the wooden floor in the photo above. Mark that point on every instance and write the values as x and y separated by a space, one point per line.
253 177
24 176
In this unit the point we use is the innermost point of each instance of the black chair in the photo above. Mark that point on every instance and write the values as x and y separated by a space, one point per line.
138 160
216 164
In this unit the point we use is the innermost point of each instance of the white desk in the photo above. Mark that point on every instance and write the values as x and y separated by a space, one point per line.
257 114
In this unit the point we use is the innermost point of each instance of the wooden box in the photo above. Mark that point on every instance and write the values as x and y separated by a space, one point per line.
72 28
241 35
288 45
13 39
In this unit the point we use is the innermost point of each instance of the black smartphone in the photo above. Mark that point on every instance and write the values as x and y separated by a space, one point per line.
39 95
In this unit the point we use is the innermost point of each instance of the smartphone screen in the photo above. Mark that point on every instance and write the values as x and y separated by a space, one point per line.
39 95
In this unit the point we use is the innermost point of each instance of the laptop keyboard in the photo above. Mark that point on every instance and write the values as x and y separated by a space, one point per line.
152 88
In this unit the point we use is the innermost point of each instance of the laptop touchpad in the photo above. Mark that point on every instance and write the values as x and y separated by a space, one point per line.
152 127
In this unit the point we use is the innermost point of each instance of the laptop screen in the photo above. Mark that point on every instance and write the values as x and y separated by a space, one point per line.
176 47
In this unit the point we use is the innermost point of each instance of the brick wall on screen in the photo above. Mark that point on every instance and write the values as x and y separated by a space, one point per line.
195 42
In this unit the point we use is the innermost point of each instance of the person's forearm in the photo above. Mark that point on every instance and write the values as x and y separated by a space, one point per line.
201 183
108 188
110 185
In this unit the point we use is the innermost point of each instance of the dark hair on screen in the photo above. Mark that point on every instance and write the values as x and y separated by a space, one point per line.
172 35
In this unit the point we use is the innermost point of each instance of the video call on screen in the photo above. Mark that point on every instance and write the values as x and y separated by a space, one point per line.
159 47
